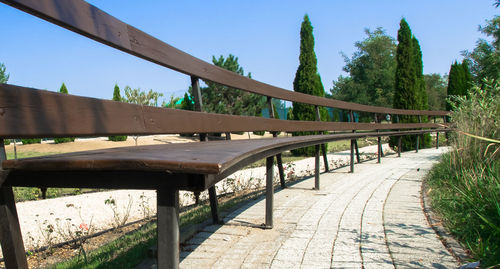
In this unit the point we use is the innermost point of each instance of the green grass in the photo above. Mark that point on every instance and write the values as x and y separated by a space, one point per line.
465 185
131 249
468 201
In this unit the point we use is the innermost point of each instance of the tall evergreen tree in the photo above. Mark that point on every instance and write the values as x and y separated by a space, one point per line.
60 140
422 98
459 80
406 94
117 97
307 80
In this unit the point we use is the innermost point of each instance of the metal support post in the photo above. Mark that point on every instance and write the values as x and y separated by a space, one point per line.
279 159
214 205
399 146
269 192
399 138
437 135
168 228
316 167
352 156
418 136
212 193
323 146
379 146
355 140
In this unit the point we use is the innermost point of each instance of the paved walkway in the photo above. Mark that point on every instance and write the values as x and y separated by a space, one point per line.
370 219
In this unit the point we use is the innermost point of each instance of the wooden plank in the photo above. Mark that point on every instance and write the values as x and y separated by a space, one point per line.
88 20
26 112
213 157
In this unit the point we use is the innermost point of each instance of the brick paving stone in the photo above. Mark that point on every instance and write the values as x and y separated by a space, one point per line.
371 219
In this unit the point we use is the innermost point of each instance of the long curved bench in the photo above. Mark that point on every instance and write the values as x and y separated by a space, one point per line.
28 113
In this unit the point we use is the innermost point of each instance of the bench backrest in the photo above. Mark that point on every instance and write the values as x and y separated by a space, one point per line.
27 112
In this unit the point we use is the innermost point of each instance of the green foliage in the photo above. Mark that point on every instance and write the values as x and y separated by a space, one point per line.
136 96
410 92
484 60
117 97
63 89
435 86
371 71
27 141
226 100
6 142
459 80
116 94
4 77
466 183
61 140
118 138
187 103
307 80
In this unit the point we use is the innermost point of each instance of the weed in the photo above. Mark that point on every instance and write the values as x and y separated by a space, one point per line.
119 219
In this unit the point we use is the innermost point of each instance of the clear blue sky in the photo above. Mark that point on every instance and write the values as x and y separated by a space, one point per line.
264 35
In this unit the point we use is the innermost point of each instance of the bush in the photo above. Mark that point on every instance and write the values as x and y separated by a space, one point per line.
6 142
465 184
261 133
61 140
117 138
28 141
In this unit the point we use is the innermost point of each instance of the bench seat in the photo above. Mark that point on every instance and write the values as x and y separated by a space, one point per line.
188 166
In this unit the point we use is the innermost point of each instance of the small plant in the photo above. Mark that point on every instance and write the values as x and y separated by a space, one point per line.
47 231
119 219
6 142
145 208
290 171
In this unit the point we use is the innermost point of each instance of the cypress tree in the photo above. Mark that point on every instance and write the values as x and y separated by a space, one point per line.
459 81
63 90
307 80
405 92
422 98
117 97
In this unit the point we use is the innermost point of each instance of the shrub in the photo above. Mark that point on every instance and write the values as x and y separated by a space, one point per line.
6 142
64 140
27 141
117 138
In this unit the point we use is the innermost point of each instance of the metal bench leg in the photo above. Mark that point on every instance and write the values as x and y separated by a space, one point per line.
269 193
357 150
214 205
316 167
352 156
10 233
437 140
279 160
416 144
379 149
168 228
325 158
399 146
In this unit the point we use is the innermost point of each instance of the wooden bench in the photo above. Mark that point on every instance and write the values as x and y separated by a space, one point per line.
28 113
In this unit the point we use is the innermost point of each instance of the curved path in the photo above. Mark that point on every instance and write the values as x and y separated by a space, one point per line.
370 219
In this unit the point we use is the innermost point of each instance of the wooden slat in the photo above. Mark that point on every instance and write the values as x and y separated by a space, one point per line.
26 112
87 20
214 157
